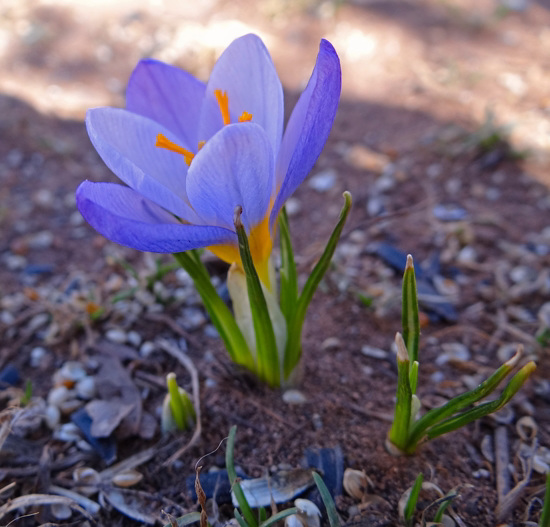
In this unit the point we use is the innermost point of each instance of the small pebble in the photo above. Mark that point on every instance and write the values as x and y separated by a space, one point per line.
68 432
58 395
374 353
116 335
293 206
331 343
134 338
211 332
147 348
85 388
467 255
41 240
52 416
294 397
71 371
37 356
323 181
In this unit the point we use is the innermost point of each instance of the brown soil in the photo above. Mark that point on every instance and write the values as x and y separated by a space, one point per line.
418 78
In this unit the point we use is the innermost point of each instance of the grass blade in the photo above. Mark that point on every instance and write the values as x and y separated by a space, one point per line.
279 516
288 278
186 519
240 520
410 507
294 343
220 314
235 486
268 366
327 500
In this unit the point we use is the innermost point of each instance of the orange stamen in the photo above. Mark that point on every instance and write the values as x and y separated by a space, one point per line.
245 117
223 103
164 142
201 144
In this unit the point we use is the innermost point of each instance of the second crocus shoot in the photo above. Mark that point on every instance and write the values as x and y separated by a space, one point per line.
408 430
206 165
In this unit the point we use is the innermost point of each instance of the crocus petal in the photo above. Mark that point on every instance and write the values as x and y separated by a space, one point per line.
125 217
126 143
234 168
167 95
309 125
246 72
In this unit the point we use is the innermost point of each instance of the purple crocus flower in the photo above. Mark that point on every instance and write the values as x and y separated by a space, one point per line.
191 152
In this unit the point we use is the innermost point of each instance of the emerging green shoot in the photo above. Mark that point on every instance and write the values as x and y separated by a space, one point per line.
412 500
177 409
407 432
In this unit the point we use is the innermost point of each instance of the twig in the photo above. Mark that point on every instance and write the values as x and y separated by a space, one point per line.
502 459
188 364
174 326
42 499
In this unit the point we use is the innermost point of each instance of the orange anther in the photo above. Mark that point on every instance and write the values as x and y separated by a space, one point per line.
245 117
164 142
223 103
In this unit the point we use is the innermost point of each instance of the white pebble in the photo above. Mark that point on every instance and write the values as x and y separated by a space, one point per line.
467 255
85 388
37 356
116 335
71 371
134 338
294 397
293 206
58 395
374 353
147 348
323 181
68 432
52 416
41 240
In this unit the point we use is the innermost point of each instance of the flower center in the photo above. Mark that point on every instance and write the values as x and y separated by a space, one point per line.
223 102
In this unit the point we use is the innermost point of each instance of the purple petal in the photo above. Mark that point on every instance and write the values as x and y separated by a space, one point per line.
309 125
246 72
125 217
168 95
126 143
234 168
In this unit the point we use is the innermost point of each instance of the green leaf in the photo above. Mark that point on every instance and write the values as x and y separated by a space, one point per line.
436 415
220 314
444 503
327 500
399 432
288 278
186 519
240 520
409 313
484 409
279 516
410 507
294 343
268 366
233 480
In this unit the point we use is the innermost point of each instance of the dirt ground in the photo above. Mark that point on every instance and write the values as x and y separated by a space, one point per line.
442 137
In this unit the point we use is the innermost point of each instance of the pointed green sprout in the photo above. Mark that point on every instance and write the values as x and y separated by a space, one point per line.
410 506
407 432
296 316
177 409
